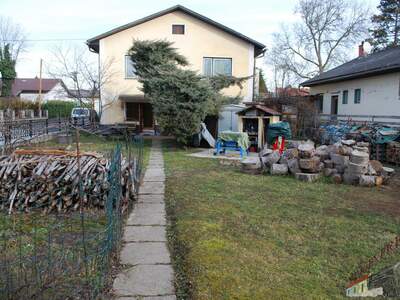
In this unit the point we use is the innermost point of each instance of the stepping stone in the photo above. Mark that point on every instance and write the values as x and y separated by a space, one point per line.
137 218
151 198
155 171
169 297
149 208
145 234
149 178
156 187
145 253
145 280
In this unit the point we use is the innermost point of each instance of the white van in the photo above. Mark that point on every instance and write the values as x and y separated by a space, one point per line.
80 112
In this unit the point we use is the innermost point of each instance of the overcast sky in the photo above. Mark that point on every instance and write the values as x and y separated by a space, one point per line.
82 19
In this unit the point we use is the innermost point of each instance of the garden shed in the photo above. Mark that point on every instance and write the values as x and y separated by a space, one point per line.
254 120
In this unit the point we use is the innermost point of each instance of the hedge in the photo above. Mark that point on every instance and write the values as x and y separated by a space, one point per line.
58 108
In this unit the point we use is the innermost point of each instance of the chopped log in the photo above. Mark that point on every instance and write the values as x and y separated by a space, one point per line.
306 150
53 152
279 169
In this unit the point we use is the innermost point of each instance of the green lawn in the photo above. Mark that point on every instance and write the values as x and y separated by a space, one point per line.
238 236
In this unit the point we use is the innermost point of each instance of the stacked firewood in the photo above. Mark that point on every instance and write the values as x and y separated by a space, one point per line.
393 153
57 180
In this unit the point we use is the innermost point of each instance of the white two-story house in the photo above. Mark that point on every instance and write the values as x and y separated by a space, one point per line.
210 47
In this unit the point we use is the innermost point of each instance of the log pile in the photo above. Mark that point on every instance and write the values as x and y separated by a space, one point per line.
50 180
393 153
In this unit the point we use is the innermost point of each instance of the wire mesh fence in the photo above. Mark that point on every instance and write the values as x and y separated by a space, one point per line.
67 256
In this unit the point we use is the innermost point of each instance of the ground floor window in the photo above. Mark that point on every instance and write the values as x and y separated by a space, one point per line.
319 103
345 97
357 96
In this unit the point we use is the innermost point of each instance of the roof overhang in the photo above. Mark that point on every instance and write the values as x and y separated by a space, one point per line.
369 73
93 43
134 98
261 108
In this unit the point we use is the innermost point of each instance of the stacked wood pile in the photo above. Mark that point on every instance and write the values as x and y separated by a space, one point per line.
50 179
393 153
346 161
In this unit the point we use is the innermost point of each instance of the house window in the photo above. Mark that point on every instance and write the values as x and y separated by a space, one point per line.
357 96
178 29
320 103
399 88
213 66
345 97
130 70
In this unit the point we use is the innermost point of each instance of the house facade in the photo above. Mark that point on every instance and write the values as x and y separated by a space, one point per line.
28 89
211 48
366 86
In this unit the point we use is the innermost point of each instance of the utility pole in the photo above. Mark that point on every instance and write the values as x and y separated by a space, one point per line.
40 86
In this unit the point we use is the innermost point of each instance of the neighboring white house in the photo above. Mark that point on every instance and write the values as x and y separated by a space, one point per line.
368 85
28 89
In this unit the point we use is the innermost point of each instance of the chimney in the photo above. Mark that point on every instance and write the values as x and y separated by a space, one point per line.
361 51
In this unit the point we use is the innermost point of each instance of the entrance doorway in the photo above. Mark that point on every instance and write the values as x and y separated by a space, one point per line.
334 104
141 114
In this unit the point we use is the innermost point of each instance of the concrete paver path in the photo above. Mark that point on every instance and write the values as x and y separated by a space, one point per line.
149 274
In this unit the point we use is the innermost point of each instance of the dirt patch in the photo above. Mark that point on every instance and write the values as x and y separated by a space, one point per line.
386 201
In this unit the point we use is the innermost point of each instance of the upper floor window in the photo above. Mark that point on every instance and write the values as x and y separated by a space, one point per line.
345 97
178 29
357 96
130 70
213 66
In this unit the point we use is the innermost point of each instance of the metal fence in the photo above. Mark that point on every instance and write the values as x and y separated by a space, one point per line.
19 131
67 256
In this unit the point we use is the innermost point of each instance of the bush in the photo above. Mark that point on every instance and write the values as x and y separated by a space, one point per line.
59 108
17 104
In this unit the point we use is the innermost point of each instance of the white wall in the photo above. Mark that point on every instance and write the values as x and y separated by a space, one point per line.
380 95
56 93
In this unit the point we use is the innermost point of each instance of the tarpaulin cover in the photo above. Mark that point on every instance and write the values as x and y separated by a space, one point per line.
278 129
383 135
241 138
374 133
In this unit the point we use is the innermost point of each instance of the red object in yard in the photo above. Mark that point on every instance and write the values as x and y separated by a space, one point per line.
279 144
253 149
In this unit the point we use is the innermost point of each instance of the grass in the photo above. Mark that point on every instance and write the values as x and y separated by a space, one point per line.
239 236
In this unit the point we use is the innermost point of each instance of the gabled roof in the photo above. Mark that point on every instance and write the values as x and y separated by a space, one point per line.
93 43
31 85
292 92
382 62
83 93
262 108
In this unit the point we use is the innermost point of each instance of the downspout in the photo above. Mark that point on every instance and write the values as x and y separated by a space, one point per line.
98 71
262 54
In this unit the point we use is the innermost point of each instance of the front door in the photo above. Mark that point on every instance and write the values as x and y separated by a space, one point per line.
147 113
334 104
140 113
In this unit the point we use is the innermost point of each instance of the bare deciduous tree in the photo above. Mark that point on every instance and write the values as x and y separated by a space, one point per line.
282 76
12 34
82 75
322 37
